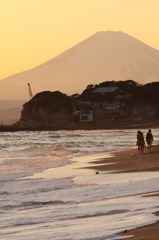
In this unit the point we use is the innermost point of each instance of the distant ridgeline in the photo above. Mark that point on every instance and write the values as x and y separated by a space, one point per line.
111 104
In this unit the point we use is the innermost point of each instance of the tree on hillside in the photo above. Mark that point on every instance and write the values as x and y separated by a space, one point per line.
90 86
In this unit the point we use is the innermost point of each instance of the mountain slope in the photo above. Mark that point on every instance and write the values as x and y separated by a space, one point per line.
102 57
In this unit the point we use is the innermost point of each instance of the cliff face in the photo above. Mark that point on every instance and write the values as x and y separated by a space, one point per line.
118 105
47 110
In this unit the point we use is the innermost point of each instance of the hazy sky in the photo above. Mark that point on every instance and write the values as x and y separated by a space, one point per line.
34 31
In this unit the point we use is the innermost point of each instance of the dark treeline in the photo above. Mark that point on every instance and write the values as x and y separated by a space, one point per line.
146 94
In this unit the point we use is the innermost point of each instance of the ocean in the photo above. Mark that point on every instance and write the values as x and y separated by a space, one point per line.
48 193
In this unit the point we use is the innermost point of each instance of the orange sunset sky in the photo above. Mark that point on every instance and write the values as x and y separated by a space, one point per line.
34 31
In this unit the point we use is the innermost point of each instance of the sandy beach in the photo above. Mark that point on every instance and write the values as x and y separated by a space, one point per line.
133 161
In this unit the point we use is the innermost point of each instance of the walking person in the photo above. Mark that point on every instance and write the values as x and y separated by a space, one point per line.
140 141
149 139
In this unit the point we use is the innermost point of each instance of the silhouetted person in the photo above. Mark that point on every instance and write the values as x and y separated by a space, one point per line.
140 141
149 139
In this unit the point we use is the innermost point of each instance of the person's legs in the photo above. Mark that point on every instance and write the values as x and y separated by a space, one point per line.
142 148
149 144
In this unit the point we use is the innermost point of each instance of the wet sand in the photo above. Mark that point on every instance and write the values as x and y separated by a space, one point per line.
133 161
130 161
150 232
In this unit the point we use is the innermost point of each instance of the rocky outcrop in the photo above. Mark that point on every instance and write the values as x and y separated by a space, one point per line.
129 106
47 110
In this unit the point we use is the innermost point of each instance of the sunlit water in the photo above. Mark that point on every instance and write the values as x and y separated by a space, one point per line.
46 193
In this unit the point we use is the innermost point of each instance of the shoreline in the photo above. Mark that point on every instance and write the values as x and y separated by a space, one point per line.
128 161
149 232
124 161
16 128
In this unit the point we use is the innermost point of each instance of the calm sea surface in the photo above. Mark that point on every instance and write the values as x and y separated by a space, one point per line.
46 193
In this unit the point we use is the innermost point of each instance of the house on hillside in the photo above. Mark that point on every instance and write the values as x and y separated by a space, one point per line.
83 111
111 107
83 116
107 90
111 103
126 98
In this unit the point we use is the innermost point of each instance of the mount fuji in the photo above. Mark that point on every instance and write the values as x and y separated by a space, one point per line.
105 56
